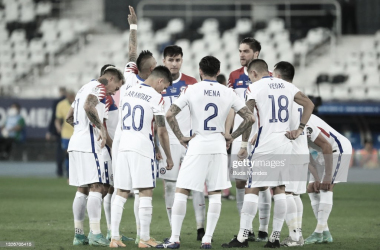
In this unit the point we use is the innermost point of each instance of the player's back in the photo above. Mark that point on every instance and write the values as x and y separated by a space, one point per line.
138 107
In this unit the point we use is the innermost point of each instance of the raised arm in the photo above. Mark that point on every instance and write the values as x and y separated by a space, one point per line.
164 139
93 116
132 20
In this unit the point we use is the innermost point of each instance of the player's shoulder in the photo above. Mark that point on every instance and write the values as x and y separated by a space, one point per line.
189 80
131 67
237 73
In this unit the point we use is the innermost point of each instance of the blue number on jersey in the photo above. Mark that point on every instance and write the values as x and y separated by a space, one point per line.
206 127
126 116
300 110
133 117
76 116
281 108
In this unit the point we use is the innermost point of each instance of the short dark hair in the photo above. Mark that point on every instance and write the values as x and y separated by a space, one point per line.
253 43
209 65
173 50
104 67
141 59
286 69
114 71
162 71
258 64
221 79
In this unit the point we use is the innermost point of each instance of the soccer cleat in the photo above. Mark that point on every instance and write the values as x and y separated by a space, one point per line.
262 237
234 243
98 240
251 236
116 243
288 242
275 244
137 240
206 246
149 243
200 234
327 238
169 245
80 239
123 238
314 238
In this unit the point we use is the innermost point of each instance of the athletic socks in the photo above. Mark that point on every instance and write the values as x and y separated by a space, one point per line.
169 197
291 217
265 202
145 215
213 213
200 208
136 205
325 207
240 192
107 209
117 211
178 214
247 215
79 206
279 213
314 199
94 210
299 205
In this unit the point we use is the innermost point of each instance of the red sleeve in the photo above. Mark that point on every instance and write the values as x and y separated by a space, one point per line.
131 67
231 80
100 92
189 80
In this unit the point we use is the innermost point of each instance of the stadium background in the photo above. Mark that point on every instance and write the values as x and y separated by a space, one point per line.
335 46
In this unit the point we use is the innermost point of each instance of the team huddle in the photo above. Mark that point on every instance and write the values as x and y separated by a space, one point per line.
167 125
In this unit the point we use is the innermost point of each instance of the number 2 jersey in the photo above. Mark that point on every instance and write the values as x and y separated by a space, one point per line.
274 99
85 136
138 107
209 103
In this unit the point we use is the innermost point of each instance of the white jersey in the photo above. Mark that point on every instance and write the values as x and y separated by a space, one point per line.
138 107
300 149
274 99
112 116
85 136
209 103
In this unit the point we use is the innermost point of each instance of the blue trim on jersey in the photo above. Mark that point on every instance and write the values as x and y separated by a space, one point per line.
113 106
191 132
98 167
339 157
103 100
250 157
143 84
152 162
266 77
209 81
92 139
152 165
109 151
138 77
106 172
245 82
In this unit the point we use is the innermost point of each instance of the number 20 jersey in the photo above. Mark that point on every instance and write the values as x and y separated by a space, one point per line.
138 107
274 99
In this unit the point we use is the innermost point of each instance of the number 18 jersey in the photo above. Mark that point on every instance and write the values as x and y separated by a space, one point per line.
274 99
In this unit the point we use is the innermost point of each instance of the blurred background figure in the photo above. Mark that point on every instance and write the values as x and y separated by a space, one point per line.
368 157
64 129
222 79
13 131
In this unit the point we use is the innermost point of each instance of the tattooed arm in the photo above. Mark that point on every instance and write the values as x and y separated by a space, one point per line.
70 117
93 116
250 105
164 139
173 123
132 19
246 124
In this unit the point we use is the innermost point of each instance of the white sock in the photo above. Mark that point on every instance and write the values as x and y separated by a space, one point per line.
325 207
94 210
117 212
136 205
145 215
169 197
279 213
247 215
299 205
79 208
240 192
107 209
213 213
178 214
314 199
265 203
291 217
200 208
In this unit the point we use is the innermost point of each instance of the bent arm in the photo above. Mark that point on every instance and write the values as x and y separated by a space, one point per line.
246 124
307 105
163 135
321 142
70 117
230 121
173 123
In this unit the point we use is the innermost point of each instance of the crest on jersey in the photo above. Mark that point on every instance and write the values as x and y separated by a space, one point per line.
162 170
239 83
173 90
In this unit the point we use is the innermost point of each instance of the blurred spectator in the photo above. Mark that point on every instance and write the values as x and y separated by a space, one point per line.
12 131
63 128
53 134
222 79
368 157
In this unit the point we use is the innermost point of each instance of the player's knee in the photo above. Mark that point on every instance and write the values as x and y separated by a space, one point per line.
111 190
170 186
240 184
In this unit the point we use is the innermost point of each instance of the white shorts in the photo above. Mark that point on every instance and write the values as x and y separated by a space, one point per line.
198 169
106 167
299 171
178 152
134 171
84 168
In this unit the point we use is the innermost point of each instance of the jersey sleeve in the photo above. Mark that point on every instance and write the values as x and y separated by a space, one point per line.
158 108
312 132
182 100
249 94
130 68
295 90
237 103
99 91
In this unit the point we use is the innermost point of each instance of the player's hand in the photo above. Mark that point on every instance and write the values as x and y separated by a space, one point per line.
158 154
169 163
102 137
228 139
185 140
132 18
242 154
316 186
292 135
326 183
253 140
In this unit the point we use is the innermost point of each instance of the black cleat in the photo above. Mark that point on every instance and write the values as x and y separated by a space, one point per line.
262 237
200 234
251 236
234 243
275 244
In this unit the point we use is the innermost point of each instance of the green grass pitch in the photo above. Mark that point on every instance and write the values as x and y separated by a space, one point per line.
40 210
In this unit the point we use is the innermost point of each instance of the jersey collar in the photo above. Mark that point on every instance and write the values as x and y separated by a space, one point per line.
267 77
209 81
146 85
138 77
179 78
245 71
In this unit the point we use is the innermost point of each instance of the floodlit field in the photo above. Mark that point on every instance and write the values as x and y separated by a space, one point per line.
40 210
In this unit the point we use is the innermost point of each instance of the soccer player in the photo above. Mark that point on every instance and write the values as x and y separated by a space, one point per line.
206 158
86 116
334 153
173 58
249 49
298 169
272 145
135 168
136 71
